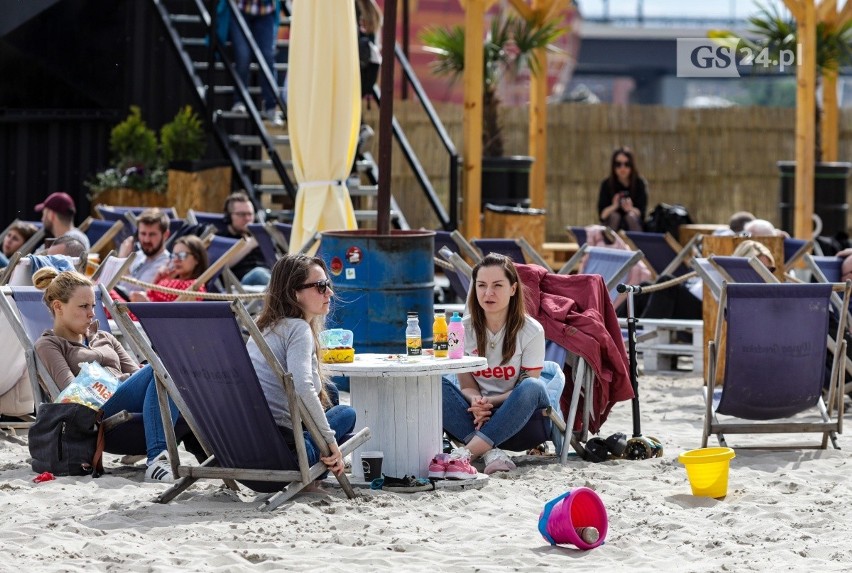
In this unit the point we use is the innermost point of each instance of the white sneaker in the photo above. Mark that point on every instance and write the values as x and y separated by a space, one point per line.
273 116
496 460
460 454
160 470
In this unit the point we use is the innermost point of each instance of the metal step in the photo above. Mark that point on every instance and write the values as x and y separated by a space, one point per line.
247 140
186 18
219 66
227 90
258 164
193 41
360 191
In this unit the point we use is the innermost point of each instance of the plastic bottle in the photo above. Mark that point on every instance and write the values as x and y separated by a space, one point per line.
455 338
439 334
413 340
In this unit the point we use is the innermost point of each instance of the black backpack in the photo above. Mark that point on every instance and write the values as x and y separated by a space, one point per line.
67 439
667 218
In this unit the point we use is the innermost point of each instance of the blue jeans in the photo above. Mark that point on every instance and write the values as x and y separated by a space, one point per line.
342 421
139 394
258 276
263 29
506 420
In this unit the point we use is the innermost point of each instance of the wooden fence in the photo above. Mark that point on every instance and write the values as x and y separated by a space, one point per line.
712 161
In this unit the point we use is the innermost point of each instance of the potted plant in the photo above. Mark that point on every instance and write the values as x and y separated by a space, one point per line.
510 46
777 35
137 174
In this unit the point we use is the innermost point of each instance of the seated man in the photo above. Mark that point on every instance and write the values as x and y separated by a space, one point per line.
152 230
57 216
251 268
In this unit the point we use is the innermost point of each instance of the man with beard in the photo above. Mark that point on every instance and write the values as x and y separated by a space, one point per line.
152 230
57 216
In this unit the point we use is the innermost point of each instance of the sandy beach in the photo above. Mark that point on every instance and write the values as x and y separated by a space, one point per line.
785 511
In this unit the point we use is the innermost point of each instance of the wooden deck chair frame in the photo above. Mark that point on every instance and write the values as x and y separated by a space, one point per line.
107 238
612 281
683 253
43 385
111 271
703 268
828 428
213 269
837 303
6 273
805 249
187 475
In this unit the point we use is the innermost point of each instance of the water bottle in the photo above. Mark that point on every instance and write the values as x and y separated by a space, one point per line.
439 334
413 340
455 337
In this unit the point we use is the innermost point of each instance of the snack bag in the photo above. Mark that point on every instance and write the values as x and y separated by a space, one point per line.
336 346
92 387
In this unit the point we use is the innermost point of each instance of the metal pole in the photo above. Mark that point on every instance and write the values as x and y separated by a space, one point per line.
405 42
386 119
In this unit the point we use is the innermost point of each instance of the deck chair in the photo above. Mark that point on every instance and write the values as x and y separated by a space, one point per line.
709 275
6 272
612 264
206 218
578 234
201 362
285 232
30 244
264 234
742 270
519 250
457 271
795 250
112 269
101 233
774 361
663 254
220 252
101 209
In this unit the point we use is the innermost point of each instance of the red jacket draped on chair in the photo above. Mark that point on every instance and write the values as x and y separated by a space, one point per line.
576 313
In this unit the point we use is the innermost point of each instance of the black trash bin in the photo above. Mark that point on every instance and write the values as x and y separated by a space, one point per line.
506 180
829 195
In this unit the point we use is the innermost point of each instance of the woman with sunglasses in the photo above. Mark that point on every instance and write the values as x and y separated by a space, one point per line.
188 261
623 197
296 304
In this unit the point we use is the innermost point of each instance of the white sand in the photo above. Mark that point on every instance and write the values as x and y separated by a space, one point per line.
785 511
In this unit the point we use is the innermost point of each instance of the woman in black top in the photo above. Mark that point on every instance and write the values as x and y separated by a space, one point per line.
623 196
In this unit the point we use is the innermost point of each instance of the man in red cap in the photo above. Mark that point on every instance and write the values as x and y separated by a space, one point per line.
57 216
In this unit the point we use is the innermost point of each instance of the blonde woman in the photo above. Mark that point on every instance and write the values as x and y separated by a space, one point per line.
75 338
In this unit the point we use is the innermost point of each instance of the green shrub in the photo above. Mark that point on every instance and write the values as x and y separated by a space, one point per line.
183 139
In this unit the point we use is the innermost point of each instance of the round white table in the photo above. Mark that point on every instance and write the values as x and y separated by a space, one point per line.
399 398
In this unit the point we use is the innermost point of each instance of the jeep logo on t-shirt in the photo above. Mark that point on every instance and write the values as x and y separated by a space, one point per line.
504 372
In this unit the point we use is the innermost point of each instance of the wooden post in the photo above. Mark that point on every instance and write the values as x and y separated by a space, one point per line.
538 119
805 109
830 130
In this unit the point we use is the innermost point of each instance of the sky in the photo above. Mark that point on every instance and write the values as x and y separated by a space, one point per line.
737 9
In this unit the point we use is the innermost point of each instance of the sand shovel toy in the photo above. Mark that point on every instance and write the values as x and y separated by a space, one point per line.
639 447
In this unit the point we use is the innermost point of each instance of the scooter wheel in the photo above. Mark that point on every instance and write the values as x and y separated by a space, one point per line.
638 449
656 445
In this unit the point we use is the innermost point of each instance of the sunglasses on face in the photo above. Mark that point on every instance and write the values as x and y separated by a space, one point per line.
321 286
181 256
623 164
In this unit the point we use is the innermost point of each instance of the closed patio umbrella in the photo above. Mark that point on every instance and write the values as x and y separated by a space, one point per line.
324 114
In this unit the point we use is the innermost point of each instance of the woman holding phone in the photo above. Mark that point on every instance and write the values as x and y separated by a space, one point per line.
623 196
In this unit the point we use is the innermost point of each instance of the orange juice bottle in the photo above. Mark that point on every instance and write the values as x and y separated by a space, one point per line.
439 334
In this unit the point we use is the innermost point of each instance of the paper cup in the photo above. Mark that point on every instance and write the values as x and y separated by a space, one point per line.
371 463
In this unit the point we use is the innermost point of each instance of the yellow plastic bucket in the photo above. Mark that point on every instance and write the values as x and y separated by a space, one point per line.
707 470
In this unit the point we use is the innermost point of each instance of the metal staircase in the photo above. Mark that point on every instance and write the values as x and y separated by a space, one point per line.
258 151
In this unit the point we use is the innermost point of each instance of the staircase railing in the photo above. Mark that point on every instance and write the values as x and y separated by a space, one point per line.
205 92
449 221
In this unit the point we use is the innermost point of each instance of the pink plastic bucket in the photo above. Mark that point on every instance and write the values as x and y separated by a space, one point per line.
574 509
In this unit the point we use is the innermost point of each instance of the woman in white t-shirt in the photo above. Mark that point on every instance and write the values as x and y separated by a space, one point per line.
492 405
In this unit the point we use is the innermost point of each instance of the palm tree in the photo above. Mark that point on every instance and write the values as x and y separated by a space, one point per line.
778 34
510 46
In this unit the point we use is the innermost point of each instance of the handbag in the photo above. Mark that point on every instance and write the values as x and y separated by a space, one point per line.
67 439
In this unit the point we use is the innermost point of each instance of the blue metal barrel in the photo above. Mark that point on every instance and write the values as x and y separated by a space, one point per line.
377 280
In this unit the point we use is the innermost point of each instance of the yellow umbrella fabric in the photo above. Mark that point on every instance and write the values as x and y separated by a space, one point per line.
323 114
